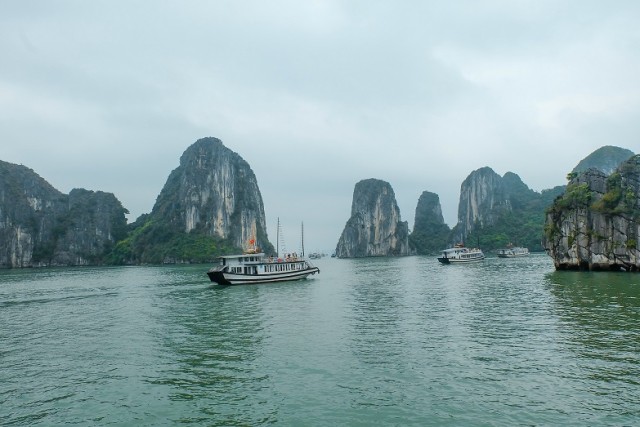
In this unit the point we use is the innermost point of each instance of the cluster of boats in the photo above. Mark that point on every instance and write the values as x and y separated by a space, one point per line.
461 254
254 266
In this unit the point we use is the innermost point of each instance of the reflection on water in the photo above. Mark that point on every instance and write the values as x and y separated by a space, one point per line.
603 304
600 317
375 306
210 338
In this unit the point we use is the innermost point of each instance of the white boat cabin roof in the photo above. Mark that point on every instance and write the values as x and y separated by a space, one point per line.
455 250
257 258
244 257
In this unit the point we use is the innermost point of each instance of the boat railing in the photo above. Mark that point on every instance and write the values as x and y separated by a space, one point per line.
287 258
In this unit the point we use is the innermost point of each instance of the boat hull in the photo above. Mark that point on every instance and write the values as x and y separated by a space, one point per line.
445 260
226 278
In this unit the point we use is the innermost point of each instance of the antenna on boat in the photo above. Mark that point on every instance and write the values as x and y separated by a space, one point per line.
302 238
280 240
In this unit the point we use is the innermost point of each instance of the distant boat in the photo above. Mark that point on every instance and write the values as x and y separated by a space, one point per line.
460 254
250 268
512 252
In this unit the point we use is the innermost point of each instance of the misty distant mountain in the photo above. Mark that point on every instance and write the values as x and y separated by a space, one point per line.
605 159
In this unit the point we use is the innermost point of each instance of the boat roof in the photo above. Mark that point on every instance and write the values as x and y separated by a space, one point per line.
461 249
260 254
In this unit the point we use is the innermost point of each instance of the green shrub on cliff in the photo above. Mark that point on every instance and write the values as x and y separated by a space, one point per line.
575 196
153 242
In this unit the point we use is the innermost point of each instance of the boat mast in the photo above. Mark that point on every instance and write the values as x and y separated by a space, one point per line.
278 240
302 234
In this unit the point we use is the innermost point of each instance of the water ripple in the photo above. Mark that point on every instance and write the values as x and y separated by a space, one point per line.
400 341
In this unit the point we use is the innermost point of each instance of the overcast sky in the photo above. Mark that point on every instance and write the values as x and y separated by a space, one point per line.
316 95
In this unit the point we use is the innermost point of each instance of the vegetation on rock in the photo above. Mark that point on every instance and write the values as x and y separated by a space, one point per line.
594 224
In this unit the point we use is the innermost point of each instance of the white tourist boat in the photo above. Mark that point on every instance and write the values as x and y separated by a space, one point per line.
250 268
254 266
512 252
460 254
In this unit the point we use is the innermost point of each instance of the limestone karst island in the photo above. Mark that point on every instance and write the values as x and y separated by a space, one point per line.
211 204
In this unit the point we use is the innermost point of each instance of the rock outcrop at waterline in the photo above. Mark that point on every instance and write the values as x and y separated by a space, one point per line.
595 224
40 226
375 227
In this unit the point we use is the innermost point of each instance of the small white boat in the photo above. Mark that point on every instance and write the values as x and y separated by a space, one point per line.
460 254
512 252
252 268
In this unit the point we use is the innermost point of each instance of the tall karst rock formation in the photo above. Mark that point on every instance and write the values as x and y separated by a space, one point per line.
595 224
482 201
495 211
375 227
213 194
430 233
40 226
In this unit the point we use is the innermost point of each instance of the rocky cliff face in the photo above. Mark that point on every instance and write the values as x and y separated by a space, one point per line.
595 225
375 227
430 233
41 226
482 200
495 211
214 192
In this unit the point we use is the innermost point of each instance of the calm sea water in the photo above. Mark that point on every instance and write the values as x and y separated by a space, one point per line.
398 341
